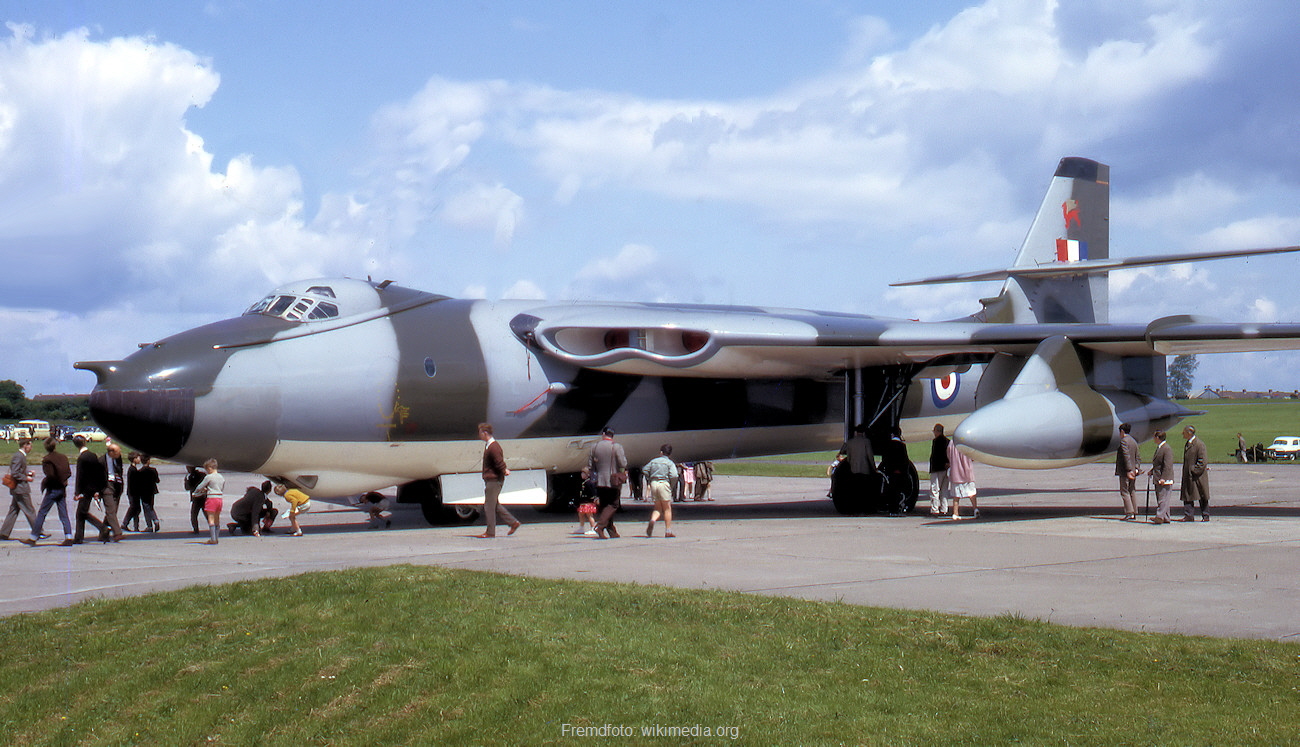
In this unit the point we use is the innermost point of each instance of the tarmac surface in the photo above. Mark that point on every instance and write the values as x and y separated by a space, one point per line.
1049 545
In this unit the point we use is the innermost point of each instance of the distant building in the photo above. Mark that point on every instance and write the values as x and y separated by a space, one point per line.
1209 393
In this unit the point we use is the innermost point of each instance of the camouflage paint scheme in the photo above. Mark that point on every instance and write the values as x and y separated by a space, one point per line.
343 386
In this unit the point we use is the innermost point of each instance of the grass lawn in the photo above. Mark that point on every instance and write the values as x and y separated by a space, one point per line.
419 655
1258 421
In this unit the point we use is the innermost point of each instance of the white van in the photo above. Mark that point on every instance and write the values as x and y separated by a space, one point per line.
37 430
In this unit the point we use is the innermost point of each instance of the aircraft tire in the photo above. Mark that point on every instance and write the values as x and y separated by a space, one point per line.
438 514
433 510
880 493
913 488
428 493
562 490
849 492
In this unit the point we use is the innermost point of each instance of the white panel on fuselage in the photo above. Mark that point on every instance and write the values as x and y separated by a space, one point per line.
524 487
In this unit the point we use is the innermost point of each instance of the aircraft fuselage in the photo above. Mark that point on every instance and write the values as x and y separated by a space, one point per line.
398 398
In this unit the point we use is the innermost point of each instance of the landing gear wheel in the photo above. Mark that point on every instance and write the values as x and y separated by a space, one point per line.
433 511
562 491
913 487
427 493
898 494
855 494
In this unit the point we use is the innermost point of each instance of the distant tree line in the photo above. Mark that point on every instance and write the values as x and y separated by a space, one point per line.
14 405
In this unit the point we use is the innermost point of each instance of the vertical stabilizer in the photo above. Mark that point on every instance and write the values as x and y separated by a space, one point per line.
1072 225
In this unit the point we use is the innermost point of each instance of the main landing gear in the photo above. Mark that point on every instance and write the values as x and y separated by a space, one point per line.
428 494
857 494
873 402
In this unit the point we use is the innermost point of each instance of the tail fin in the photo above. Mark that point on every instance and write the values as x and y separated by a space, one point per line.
1072 225
1061 272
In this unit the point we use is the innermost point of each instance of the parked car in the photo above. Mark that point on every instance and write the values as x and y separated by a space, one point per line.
91 434
1284 447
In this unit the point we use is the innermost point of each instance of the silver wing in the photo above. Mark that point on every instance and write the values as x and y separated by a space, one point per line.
723 342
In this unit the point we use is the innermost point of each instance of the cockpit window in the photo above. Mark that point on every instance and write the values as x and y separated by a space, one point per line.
280 305
322 290
297 308
324 311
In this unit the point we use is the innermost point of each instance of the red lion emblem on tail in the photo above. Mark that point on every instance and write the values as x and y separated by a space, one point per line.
1070 209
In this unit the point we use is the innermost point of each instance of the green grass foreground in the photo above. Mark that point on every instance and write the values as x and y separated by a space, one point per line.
418 655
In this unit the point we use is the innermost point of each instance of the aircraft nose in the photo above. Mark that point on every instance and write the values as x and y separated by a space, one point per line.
155 419
154 399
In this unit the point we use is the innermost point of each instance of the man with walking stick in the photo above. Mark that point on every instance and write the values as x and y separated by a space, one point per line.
1127 467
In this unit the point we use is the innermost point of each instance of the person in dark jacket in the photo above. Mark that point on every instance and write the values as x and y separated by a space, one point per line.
91 480
253 513
141 487
939 485
1195 485
896 465
193 477
54 489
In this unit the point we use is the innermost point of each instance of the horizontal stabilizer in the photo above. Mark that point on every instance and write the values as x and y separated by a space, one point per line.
1093 266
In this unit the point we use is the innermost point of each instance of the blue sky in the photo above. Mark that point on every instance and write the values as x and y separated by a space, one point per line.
164 164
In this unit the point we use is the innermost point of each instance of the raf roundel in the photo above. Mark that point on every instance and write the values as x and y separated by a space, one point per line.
945 390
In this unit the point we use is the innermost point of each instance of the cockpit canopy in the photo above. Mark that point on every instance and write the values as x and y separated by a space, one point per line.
317 300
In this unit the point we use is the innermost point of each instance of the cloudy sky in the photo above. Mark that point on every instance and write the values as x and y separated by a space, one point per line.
165 164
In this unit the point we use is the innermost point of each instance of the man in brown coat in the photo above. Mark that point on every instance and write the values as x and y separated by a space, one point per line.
1196 477
494 476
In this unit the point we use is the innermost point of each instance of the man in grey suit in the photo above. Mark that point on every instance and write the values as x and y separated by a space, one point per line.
1162 474
1196 477
609 464
1127 466
21 492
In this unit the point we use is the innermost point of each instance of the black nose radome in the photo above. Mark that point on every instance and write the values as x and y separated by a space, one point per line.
155 421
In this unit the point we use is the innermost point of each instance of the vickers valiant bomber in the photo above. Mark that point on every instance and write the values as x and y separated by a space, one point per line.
341 386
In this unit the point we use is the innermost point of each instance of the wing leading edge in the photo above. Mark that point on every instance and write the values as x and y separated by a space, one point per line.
767 343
